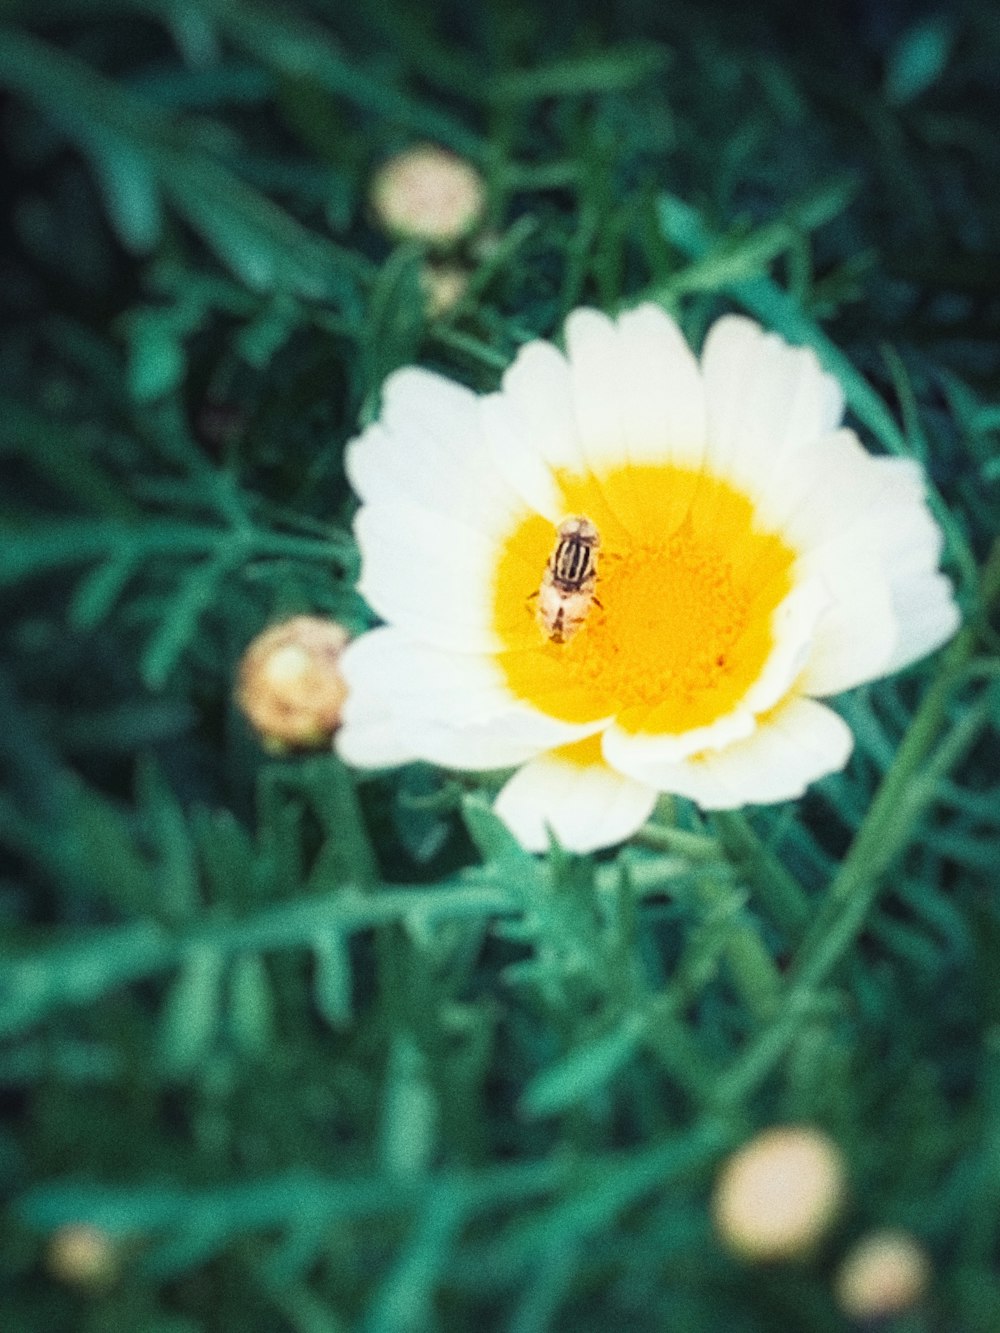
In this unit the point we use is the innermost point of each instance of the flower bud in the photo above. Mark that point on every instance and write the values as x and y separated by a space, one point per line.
444 286
428 194
777 1195
883 1275
290 685
82 1256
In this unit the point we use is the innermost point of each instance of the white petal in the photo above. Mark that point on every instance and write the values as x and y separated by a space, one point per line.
638 399
518 455
595 363
375 742
664 398
586 807
630 391
408 699
765 400
427 574
645 753
821 490
854 638
900 523
637 390
531 426
794 626
427 448
795 745
910 543
926 617
889 607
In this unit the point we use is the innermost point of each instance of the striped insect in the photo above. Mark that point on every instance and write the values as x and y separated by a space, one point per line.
567 590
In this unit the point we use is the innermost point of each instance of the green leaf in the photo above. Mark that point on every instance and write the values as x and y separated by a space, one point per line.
346 856
189 1019
420 810
179 623
98 591
265 246
918 59
261 339
299 50
409 1112
332 978
107 851
156 362
251 1009
394 320
176 869
226 854
614 70
130 189
584 1071
494 840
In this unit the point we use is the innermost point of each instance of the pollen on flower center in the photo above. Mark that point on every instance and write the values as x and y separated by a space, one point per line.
672 617
682 622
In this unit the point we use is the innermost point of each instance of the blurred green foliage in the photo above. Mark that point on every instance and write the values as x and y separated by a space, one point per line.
320 1053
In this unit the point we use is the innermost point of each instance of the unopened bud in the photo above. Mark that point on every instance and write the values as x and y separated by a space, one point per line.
82 1256
777 1196
885 1274
428 194
444 286
290 685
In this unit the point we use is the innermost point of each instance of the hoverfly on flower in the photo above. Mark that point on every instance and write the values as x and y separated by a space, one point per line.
570 579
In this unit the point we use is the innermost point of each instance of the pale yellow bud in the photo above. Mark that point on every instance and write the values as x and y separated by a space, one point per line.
428 194
777 1196
290 685
444 286
884 1274
82 1255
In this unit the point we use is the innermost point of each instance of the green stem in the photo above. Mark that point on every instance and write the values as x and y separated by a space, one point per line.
780 893
335 549
672 1043
904 794
751 967
858 886
901 800
692 846
470 346
982 1215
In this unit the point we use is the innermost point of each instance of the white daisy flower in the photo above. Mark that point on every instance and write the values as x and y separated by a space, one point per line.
745 558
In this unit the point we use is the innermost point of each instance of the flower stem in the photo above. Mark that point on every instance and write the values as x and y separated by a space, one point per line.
749 962
692 846
904 794
779 892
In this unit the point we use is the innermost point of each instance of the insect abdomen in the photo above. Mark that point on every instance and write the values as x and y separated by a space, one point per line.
574 562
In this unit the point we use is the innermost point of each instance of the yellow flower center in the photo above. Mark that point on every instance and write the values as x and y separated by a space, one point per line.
682 619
